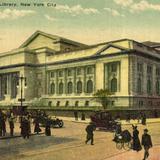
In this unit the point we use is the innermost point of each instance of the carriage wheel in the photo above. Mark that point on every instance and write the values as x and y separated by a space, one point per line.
127 146
119 145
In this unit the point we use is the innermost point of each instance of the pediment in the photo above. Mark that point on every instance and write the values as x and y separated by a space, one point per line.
111 49
39 39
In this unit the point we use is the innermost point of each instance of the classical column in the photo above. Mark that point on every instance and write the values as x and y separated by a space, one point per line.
56 82
74 81
84 80
99 76
65 76
9 84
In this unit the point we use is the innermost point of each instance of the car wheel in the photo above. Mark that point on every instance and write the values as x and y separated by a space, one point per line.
60 124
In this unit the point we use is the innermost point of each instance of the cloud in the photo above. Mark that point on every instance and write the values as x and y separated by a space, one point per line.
144 5
15 14
113 12
48 17
76 10
123 3
140 6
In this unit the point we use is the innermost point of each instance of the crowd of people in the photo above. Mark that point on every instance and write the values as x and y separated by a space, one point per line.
24 120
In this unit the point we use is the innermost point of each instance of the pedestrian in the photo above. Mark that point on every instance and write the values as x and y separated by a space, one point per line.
90 136
136 142
144 119
36 127
83 116
118 131
48 127
147 143
25 127
3 125
76 115
11 125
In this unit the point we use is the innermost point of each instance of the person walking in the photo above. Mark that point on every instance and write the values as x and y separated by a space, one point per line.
147 143
3 125
144 119
48 127
136 142
11 125
76 115
36 127
25 128
90 136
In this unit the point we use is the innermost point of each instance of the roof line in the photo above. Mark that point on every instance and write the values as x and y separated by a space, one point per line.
53 37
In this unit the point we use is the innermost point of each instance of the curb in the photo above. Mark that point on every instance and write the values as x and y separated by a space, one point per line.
17 136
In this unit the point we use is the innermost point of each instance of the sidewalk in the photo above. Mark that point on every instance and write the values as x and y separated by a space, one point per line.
123 122
18 135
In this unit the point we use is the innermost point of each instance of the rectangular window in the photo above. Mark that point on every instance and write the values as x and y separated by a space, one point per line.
52 74
89 70
114 67
157 71
140 103
149 69
69 72
139 67
60 73
79 71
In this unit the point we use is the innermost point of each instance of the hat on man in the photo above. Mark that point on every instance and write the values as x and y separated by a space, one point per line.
145 130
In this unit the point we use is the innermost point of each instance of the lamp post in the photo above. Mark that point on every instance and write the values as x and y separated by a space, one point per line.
21 78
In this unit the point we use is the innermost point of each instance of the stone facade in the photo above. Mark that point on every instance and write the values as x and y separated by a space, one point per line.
68 73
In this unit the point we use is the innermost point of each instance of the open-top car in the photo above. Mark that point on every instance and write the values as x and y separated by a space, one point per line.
103 120
54 122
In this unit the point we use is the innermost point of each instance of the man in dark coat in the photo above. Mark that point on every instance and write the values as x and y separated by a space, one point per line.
3 125
25 128
48 127
147 143
11 125
90 129
36 127
136 142
144 119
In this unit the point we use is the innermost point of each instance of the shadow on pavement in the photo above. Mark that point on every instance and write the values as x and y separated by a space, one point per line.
14 146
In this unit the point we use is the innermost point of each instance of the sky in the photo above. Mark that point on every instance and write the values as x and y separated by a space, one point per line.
86 21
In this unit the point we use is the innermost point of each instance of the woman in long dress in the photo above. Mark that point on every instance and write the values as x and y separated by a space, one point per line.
136 142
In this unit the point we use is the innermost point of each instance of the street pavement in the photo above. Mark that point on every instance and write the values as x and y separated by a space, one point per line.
67 143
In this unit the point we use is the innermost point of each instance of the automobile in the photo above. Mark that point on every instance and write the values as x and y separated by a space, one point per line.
55 122
103 120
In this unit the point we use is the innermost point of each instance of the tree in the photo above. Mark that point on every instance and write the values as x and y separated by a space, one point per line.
102 96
